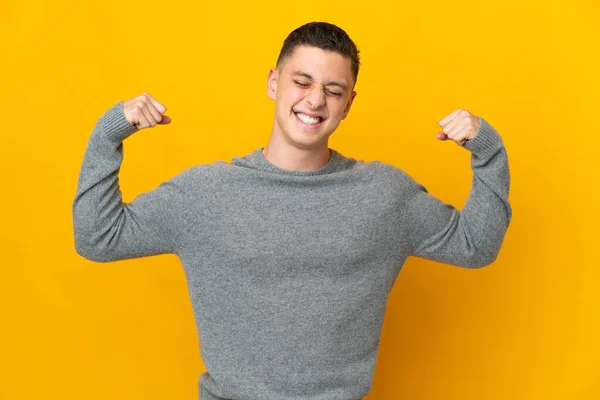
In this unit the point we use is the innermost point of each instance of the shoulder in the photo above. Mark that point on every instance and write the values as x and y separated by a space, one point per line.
390 174
200 177
214 170
389 182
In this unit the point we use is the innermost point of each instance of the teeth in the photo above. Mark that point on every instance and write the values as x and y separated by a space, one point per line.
308 120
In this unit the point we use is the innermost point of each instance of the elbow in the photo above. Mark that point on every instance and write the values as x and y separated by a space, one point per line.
483 261
90 252
481 258
88 241
486 251
89 245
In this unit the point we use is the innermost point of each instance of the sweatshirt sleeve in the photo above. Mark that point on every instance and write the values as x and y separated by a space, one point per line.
105 228
472 236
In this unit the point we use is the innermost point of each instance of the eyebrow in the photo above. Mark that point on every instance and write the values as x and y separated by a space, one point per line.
307 76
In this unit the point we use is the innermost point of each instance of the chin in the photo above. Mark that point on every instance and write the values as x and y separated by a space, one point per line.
309 143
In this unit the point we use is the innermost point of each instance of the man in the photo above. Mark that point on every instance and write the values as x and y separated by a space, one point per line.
290 251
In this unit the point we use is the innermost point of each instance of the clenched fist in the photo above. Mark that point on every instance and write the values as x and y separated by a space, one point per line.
459 126
144 111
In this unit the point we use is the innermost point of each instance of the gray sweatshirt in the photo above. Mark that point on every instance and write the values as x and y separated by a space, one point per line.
288 272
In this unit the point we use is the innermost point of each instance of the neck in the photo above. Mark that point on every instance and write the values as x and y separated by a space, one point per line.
295 159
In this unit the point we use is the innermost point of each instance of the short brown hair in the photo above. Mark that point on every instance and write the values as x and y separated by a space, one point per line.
325 36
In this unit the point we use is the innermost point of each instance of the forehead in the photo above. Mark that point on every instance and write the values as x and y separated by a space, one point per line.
321 64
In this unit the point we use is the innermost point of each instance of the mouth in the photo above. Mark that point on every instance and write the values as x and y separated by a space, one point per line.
308 121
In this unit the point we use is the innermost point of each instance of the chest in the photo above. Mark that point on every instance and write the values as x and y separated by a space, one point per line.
270 233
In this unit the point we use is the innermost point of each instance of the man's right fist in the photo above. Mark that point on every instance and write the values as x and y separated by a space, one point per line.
144 111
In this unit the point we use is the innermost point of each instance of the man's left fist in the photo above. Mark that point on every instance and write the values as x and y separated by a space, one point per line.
459 126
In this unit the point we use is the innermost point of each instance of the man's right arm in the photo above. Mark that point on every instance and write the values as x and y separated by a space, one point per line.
105 228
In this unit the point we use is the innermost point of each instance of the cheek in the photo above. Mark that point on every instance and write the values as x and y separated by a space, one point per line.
296 95
336 108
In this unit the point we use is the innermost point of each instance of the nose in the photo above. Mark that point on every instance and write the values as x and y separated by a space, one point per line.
316 97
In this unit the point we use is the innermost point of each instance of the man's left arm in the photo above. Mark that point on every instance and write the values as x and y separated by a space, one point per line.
471 237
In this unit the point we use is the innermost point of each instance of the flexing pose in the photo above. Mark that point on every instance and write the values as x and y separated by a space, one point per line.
291 250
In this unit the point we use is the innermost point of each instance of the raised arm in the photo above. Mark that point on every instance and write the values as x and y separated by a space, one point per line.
105 228
471 237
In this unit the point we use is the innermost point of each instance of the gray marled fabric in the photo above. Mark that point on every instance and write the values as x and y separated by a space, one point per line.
288 272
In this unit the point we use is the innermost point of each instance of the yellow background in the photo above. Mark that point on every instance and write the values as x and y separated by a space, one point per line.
526 327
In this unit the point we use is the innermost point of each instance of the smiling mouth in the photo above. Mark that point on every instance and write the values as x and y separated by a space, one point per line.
307 120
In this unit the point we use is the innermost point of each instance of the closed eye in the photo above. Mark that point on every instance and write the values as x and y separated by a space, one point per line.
306 85
302 84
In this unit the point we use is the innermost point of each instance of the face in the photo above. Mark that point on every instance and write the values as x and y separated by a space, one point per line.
313 94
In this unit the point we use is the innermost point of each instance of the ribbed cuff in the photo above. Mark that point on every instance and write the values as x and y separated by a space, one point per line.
486 143
115 125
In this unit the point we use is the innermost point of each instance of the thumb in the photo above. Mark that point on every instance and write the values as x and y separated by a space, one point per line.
442 136
165 120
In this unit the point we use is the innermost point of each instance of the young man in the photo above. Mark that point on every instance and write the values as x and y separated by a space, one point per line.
290 251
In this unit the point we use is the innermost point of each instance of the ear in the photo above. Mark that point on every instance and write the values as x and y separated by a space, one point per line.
272 83
348 105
